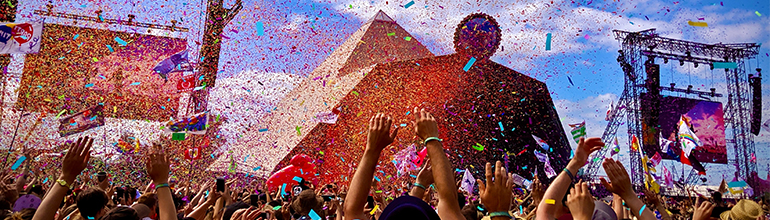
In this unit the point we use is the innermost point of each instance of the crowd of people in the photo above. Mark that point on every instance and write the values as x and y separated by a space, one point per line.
433 194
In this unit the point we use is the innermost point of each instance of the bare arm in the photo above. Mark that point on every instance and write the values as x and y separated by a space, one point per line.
158 168
617 205
73 163
200 212
378 138
621 185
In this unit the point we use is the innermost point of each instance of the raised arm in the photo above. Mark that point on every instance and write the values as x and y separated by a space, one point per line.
200 212
551 202
620 184
423 181
379 136
496 193
74 162
427 129
158 168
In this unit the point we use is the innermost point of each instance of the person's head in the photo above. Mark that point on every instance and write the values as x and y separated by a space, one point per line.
230 209
470 213
142 210
408 207
151 201
24 214
717 197
478 35
130 194
38 190
121 213
306 201
91 202
744 210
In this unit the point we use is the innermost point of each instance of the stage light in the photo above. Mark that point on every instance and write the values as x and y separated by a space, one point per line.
688 54
711 66
689 88
696 65
665 60
713 92
681 63
672 85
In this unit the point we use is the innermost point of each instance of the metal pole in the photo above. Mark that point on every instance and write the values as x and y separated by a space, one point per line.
10 147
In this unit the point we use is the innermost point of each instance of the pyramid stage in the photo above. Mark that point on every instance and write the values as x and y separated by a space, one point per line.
489 106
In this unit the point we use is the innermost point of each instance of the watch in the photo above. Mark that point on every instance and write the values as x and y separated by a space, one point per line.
63 183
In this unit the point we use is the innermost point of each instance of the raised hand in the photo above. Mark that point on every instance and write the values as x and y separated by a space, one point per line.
496 194
158 166
379 135
703 211
425 176
76 159
619 183
585 148
581 202
424 124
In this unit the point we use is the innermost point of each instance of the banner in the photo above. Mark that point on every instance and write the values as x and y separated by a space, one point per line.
193 153
20 37
81 121
196 124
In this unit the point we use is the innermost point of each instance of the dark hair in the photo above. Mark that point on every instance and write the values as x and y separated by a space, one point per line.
91 201
470 213
230 209
121 213
38 189
149 199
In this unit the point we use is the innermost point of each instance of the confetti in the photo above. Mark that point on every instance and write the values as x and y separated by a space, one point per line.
260 28
697 24
121 41
391 34
409 4
89 85
469 64
725 65
408 38
758 14
18 163
548 42
550 201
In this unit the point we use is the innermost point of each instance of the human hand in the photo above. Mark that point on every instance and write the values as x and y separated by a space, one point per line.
76 159
581 202
379 135
538 190
619 183
9 192
425 176
585 148
158 166
496 194
650 197
213 195
424 124
703 211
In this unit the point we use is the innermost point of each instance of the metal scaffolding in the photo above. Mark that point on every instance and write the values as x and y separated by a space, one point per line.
644 46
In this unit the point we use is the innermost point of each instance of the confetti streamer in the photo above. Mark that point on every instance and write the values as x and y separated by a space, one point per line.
548 42
18 162
260 28
121 41
409 4
725 65
469 64
697 24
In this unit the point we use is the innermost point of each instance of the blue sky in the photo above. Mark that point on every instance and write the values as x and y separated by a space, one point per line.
300 34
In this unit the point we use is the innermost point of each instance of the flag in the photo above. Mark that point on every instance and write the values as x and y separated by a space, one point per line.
578 131
544 158
16 38
687 137
669 179
723 186
541 142
468 182
81 121
634 143
196 124
328 117
615 147
403 160
185 84
655 160
175 63
193 153
664 143
609 115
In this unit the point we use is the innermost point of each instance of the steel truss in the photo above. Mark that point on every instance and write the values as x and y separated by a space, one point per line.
644 46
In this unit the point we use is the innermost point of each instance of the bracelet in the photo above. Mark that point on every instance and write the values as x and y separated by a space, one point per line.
158 186
421 186
430 139
571 177
642 210
500 214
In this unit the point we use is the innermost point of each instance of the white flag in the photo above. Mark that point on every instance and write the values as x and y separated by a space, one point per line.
609 114
687 137
468 182
20 37
664 143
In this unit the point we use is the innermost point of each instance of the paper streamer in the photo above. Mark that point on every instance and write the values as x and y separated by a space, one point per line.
18 162
725 65
469 64
260 29
548 42
697 24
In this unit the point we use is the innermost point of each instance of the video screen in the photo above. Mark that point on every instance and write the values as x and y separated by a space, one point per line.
707 122
78 68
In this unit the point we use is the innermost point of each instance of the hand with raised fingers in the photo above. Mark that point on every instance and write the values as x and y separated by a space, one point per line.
425 176
585 148
581 202
703 211
425 124
620 182
76 159
158 166
379 135
496 193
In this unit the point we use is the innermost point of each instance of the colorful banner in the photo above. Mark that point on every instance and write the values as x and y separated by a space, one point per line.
196 124
81 121
20 37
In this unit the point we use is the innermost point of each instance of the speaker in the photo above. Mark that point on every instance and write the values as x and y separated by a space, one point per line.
650 106
756 101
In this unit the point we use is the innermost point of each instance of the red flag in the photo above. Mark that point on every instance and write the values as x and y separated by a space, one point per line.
683 158
186 83
193 153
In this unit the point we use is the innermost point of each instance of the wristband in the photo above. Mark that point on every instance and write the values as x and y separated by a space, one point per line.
571 177
431 139
421 186
642 210
499 214
63 183
158 186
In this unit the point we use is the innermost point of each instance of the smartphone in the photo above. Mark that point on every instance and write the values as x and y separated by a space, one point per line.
328 198
220 185
329 186
254 200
